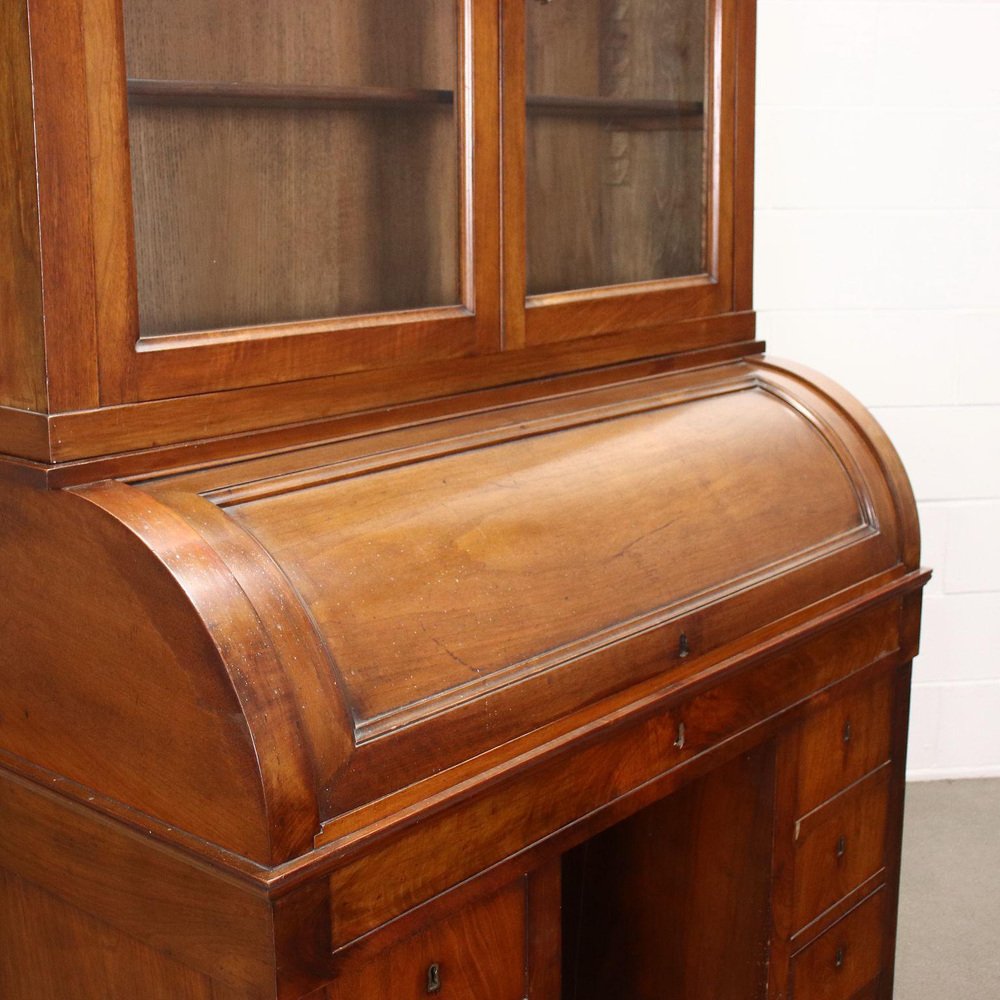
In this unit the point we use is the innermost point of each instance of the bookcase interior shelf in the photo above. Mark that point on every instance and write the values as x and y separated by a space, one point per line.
201 93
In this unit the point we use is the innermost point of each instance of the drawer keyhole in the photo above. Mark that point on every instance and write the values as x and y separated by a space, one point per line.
841 847
839 957
848 731
434 978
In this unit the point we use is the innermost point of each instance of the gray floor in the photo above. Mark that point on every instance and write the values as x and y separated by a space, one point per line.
949 917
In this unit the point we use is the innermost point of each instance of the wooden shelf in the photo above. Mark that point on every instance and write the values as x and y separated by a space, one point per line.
198 93
613 108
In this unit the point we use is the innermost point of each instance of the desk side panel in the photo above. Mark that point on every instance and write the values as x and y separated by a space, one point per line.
109 678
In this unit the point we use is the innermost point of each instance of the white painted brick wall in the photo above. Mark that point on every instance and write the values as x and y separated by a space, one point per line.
878 262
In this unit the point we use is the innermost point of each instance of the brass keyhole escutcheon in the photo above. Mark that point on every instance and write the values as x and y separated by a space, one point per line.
434 978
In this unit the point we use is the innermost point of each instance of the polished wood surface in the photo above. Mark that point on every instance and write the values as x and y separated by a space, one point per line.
61 721
296 410
845 959
91 961
96 167
340 520
417 583
502 593
67 266
22 373
476 954
210 920
677 896
840 846
844 742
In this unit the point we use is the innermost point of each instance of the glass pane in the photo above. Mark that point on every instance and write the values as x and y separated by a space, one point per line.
616 141
292 161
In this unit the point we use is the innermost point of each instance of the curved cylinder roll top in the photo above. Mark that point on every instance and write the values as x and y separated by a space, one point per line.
287 638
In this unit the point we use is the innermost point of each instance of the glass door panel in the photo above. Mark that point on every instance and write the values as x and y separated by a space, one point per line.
617 143
293 161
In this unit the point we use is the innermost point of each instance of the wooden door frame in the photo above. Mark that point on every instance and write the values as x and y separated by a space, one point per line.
85 189
542 319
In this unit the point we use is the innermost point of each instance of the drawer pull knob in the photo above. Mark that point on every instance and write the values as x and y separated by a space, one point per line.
848 731
434 978
838 958
841 846
684 647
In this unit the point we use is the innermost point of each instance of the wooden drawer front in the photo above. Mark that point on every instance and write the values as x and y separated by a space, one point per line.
846 958
839 846
478 954
843 742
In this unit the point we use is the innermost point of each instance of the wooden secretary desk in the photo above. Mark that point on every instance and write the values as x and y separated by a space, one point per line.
417 582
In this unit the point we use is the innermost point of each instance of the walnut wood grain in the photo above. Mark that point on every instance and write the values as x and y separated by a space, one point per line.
163 901
843 743
845 959
479 955
410 701
65 203
840 845
367 887
159 434
89 960
501 595
22 374
402 336
92 170
677 895
415 581
209 763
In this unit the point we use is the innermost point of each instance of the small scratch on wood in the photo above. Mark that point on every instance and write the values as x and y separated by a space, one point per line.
444 648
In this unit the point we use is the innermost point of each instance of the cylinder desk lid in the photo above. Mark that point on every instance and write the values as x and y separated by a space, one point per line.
386 607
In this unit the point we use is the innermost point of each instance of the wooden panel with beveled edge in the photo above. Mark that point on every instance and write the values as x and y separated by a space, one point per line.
129 650
478 952
839 846
60 837
846 958
842 743
397 749
530 549
52 951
